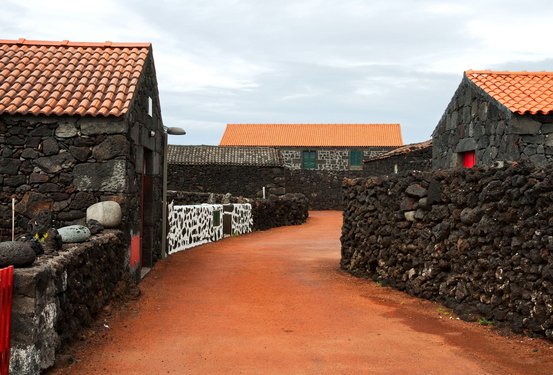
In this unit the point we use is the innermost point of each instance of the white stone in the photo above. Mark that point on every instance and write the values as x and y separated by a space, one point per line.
409 215
66 130
107 213
74 233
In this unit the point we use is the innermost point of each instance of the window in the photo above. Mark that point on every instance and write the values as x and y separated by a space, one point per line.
309 160
355 158
150 107
468 158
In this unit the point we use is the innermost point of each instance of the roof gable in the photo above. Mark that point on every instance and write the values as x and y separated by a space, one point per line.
403 150
69 78
520 92
312 135
215 155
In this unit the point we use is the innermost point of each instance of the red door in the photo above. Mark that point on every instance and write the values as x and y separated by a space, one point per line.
469 159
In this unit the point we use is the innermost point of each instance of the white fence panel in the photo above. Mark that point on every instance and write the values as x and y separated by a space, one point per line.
193 225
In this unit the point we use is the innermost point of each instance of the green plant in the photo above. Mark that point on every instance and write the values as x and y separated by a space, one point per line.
443 311
485 322
378 283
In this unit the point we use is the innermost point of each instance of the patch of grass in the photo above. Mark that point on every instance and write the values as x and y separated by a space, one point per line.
378 283
443 311
485 322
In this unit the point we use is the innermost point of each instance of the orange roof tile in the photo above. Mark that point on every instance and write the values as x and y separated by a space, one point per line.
521 92
69 78
316 135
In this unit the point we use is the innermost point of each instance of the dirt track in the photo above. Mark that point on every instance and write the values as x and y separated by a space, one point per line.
275 302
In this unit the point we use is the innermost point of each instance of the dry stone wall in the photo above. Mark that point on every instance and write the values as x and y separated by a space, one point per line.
478 240
246 181
59 295
290 209
323 189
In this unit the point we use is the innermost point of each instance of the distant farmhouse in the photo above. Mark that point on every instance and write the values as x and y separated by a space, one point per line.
81 123
312 159
335 147
496 117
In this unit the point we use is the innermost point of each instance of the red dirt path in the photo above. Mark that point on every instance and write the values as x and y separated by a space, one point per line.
275 302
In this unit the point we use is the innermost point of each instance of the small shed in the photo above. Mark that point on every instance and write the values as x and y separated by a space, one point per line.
411 157
81 123
240 171
496 117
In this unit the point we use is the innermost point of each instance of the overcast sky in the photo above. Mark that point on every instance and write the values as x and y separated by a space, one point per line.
303 61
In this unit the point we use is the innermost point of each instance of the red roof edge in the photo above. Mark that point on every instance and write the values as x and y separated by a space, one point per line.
67 43
506 72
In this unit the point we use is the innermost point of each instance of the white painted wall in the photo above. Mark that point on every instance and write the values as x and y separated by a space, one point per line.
193 225
242 220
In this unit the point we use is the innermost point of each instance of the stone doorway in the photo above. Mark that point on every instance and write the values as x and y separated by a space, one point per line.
148 220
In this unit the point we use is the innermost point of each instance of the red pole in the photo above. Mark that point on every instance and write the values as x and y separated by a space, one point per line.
6 295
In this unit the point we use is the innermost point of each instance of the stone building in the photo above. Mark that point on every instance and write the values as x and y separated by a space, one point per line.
81 123
241 171
412 157
335 147
496 117
318 157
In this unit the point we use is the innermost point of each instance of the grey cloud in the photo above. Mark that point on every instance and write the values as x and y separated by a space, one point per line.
330 95
309 60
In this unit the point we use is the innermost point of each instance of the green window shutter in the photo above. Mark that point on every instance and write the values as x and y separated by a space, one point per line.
216 218
355 157
309 160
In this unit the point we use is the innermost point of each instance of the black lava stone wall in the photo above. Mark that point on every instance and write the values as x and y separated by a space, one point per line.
247 181
323 189
478 240
59 295
289 209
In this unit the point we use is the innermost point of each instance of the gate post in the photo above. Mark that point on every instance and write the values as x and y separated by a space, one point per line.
227 219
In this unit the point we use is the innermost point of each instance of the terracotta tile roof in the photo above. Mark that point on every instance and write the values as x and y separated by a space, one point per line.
402 150
312 135
521 92
69 78
215 155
